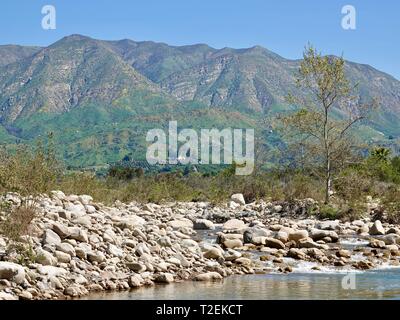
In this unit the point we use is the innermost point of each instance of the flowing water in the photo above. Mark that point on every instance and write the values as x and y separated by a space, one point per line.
382 284
303 283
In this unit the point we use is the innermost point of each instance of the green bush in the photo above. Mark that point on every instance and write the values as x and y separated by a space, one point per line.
29 172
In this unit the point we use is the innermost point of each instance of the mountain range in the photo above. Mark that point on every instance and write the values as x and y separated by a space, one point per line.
100 97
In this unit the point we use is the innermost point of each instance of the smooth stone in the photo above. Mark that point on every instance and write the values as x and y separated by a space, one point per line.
203 224
377 229
12 271
238 198
164 278
209 276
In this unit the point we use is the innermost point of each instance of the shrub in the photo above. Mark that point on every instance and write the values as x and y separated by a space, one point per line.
29 172
125 173
18 220
328 212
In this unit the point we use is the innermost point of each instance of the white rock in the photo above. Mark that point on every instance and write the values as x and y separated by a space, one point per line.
233 224
214 253
328 225
90 209
297 235
78 234
67 248
94 256
7 296
164 278
182 223
51 238
115 251
377 229
233 205
129 223
209 276
58 194
203 224
83 221
62 231
62 257
85 199
238 198
45 258
12 271
51 271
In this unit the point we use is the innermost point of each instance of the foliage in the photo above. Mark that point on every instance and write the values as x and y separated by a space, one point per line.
323 138
29 172
18 220
125 173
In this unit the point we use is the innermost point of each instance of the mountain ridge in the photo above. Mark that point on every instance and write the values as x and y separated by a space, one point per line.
106 94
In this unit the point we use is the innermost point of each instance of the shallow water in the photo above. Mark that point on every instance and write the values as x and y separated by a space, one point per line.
382 284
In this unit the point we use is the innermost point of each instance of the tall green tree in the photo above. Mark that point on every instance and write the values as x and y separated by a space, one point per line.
321 128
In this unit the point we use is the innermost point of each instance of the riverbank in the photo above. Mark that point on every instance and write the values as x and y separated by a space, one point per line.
75 247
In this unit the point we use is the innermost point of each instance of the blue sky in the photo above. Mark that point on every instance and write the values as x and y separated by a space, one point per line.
283 26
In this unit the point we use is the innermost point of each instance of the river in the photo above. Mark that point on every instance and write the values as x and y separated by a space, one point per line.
380 284
303 283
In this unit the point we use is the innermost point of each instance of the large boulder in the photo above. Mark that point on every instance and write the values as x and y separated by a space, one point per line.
377 244
63 257
297 235
296 254
253 232
208 276
62 231
164 278
51 238
66 248
12 272
130 223
136 267
181 223
78 234
45 258
273 243
238 198
232 243
51 271
328 225
233 224
203 224
377 229
309 243
96 256
317 234
214 253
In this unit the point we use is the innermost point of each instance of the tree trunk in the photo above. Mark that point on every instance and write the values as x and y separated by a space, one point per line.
328 182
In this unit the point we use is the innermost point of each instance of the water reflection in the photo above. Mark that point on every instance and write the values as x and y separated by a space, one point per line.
370 285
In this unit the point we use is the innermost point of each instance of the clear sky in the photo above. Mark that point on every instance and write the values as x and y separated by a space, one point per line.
283 26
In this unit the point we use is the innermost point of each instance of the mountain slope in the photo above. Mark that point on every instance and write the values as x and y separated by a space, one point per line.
11 53
99 98
74 71
254 78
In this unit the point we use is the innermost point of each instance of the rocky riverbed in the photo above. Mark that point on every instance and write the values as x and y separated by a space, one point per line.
76 247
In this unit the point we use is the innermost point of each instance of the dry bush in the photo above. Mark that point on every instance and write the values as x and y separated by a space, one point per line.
28 172
18 220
